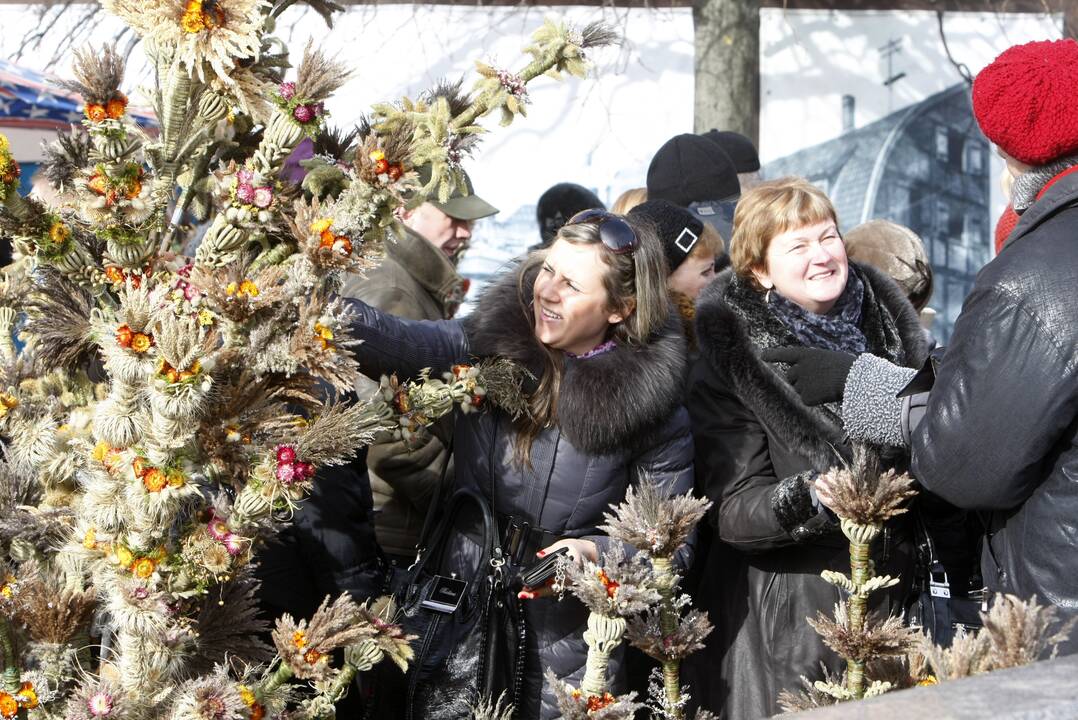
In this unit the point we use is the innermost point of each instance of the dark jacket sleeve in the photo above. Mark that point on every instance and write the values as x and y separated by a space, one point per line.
753 509
1004 394
668 462
392 345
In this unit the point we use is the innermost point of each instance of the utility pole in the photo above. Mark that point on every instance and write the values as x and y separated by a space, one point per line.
888 51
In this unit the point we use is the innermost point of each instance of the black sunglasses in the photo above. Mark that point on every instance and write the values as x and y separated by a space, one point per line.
614 231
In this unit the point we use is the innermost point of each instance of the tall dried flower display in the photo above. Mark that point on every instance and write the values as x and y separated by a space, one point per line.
164 413
881 651
864 499
657 526
638 597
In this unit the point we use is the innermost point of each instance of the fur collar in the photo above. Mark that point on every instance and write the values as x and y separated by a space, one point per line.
733 323
612 401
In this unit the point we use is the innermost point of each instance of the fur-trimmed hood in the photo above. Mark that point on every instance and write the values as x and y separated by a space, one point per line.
608 402
734 323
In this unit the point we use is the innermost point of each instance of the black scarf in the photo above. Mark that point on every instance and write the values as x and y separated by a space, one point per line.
839 329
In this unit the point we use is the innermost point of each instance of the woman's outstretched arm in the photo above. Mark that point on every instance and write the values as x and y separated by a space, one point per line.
392 345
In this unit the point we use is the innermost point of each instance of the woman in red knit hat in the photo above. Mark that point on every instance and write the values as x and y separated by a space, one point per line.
998 432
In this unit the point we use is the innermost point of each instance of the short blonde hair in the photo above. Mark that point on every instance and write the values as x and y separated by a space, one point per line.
768 210
710 243
629 199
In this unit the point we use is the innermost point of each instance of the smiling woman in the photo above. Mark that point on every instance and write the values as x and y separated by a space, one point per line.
590 318
760 448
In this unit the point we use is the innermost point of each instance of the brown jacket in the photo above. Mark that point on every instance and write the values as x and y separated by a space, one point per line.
415 281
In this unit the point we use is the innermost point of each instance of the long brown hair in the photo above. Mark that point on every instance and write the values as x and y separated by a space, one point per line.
635 285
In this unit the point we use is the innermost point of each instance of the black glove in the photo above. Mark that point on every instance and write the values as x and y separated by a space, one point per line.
818 376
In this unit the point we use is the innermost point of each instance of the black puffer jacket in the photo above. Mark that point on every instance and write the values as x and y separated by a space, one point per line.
1000 431
619 418
757 445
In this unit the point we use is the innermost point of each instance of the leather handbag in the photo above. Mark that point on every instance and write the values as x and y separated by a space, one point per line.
470 629
933 607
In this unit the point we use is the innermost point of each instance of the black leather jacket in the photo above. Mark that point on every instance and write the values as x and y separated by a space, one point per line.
1000 428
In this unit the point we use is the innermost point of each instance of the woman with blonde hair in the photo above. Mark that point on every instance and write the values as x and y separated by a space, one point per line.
590 318
759 446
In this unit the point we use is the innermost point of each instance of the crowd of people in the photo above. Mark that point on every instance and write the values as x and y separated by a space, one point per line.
717 333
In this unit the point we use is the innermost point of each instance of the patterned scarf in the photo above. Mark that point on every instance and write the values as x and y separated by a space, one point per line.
840 329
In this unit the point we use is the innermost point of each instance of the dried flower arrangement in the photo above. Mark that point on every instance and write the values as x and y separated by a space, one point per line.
881 653
165 413
638 598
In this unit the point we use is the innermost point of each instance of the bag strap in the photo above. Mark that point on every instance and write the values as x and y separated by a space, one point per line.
439 494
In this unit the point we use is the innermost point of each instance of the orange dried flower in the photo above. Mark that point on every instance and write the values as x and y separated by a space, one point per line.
143 568
124 336
98 183
299 639
343 245
155 480
141 342
597 703
96 112
134 189
116 107
610 585
27 696
312 656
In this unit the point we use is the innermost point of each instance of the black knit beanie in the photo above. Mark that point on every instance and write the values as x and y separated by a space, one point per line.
678 229
738 147
688 169
559 203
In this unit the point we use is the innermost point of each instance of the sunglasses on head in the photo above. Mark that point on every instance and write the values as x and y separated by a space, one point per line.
614 231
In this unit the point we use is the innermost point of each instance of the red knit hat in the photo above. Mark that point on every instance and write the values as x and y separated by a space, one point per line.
1026 101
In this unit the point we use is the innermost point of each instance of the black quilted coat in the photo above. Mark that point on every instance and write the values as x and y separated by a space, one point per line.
620 418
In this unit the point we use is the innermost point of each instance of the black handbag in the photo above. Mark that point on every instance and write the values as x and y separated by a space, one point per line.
470 630
933 607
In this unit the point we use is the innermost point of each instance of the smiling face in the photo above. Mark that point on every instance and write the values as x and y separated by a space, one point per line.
571 303
807 266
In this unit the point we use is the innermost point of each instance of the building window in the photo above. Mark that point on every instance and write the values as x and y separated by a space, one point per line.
973 158
943 219
973 229
942 144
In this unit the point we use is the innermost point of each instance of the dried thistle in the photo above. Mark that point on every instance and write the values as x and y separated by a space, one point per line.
875 639
58 318
65 157
52 613
968 655
863 495
810 696
318 77
645 633
654 522
614 587
98 74
388 636
1020 631
209 697
229 625
488 709
457 98
306 647
338 432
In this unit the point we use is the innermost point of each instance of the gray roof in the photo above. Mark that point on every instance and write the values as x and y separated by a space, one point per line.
852 164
